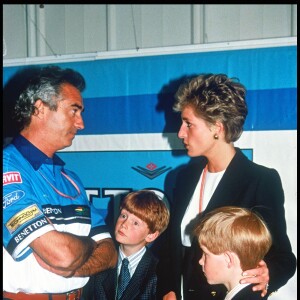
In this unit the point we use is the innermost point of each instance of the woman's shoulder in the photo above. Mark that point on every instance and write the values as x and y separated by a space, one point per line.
242 161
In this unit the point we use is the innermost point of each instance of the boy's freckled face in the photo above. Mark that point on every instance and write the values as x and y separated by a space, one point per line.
213 266
130 230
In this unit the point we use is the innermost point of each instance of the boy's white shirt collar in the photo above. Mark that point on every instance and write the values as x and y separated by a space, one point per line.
235 290
132 256
133 259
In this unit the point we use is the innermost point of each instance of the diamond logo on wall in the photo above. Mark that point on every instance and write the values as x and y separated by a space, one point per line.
151 171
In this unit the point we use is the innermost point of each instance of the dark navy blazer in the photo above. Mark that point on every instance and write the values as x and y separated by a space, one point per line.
247 294
243 184
142 285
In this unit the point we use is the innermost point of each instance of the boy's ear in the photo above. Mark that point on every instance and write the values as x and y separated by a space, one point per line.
151 237
231 259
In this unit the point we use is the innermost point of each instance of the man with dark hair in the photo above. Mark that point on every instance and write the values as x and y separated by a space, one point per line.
53 238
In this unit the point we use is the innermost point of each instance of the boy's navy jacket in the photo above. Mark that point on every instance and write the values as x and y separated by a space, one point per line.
142 285
247 294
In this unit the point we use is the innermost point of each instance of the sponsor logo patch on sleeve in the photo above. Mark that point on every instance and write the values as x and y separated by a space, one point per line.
12 177
12 198
25 215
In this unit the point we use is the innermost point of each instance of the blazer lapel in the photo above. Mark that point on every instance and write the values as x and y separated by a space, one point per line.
110 283
136 283
232 183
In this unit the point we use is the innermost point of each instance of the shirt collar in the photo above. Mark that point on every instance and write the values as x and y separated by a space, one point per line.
230 294
35 156
132 256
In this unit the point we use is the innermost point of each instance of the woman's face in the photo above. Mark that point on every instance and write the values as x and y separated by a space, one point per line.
197 136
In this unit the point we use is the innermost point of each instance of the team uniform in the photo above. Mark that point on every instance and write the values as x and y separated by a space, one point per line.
39 196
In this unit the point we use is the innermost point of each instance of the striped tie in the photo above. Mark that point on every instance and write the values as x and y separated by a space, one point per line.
124 278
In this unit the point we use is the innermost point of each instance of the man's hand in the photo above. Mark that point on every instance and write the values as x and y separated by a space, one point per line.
104 257
259 275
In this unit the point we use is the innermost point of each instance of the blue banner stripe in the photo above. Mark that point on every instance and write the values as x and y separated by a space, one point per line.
147 75
261 68
272 110
142 114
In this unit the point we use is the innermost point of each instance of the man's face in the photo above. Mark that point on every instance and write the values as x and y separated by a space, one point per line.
62 124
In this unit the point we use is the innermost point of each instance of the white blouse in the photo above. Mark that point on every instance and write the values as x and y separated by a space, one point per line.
192 210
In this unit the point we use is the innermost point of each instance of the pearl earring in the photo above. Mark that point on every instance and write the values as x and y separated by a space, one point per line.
216 137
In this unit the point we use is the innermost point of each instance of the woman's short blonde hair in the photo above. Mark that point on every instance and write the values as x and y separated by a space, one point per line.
215 97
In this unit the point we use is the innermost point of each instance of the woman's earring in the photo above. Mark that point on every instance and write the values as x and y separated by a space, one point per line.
216 137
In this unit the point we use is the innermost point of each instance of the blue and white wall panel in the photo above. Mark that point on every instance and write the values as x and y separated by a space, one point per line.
130 142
